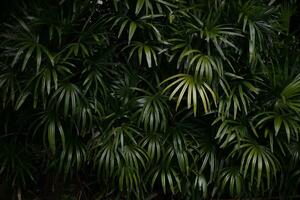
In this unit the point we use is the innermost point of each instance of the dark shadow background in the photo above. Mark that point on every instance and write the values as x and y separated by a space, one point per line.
8 7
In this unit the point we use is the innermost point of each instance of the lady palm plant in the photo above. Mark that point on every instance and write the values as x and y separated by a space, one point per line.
150 99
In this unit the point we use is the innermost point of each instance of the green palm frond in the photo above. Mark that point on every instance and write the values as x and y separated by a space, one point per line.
144 51
50 125
165 174
230 131
202 66
27 47
194 87
200 183
157 6
153 144
206 156
232 177
152 111
118 156
257 20
73 157
218 36
289 123
180 147
133 27
290 94
238 97
67 97
257 162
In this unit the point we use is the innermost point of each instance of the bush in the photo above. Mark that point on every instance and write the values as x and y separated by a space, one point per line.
150 99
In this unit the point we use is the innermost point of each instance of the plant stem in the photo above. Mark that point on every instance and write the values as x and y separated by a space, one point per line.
19 194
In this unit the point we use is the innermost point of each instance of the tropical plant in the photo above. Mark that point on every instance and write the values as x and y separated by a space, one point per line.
150 99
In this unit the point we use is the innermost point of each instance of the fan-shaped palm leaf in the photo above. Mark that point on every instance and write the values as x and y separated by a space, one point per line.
258 19
229 131
152 111
290 95
67 93
26 45
200 183
232 178
259 159
240 95
145 49
202 66
50 124
289 123
193 87
152 142
166 174
72 157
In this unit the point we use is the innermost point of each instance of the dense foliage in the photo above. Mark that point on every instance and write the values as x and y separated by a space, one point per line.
150 99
